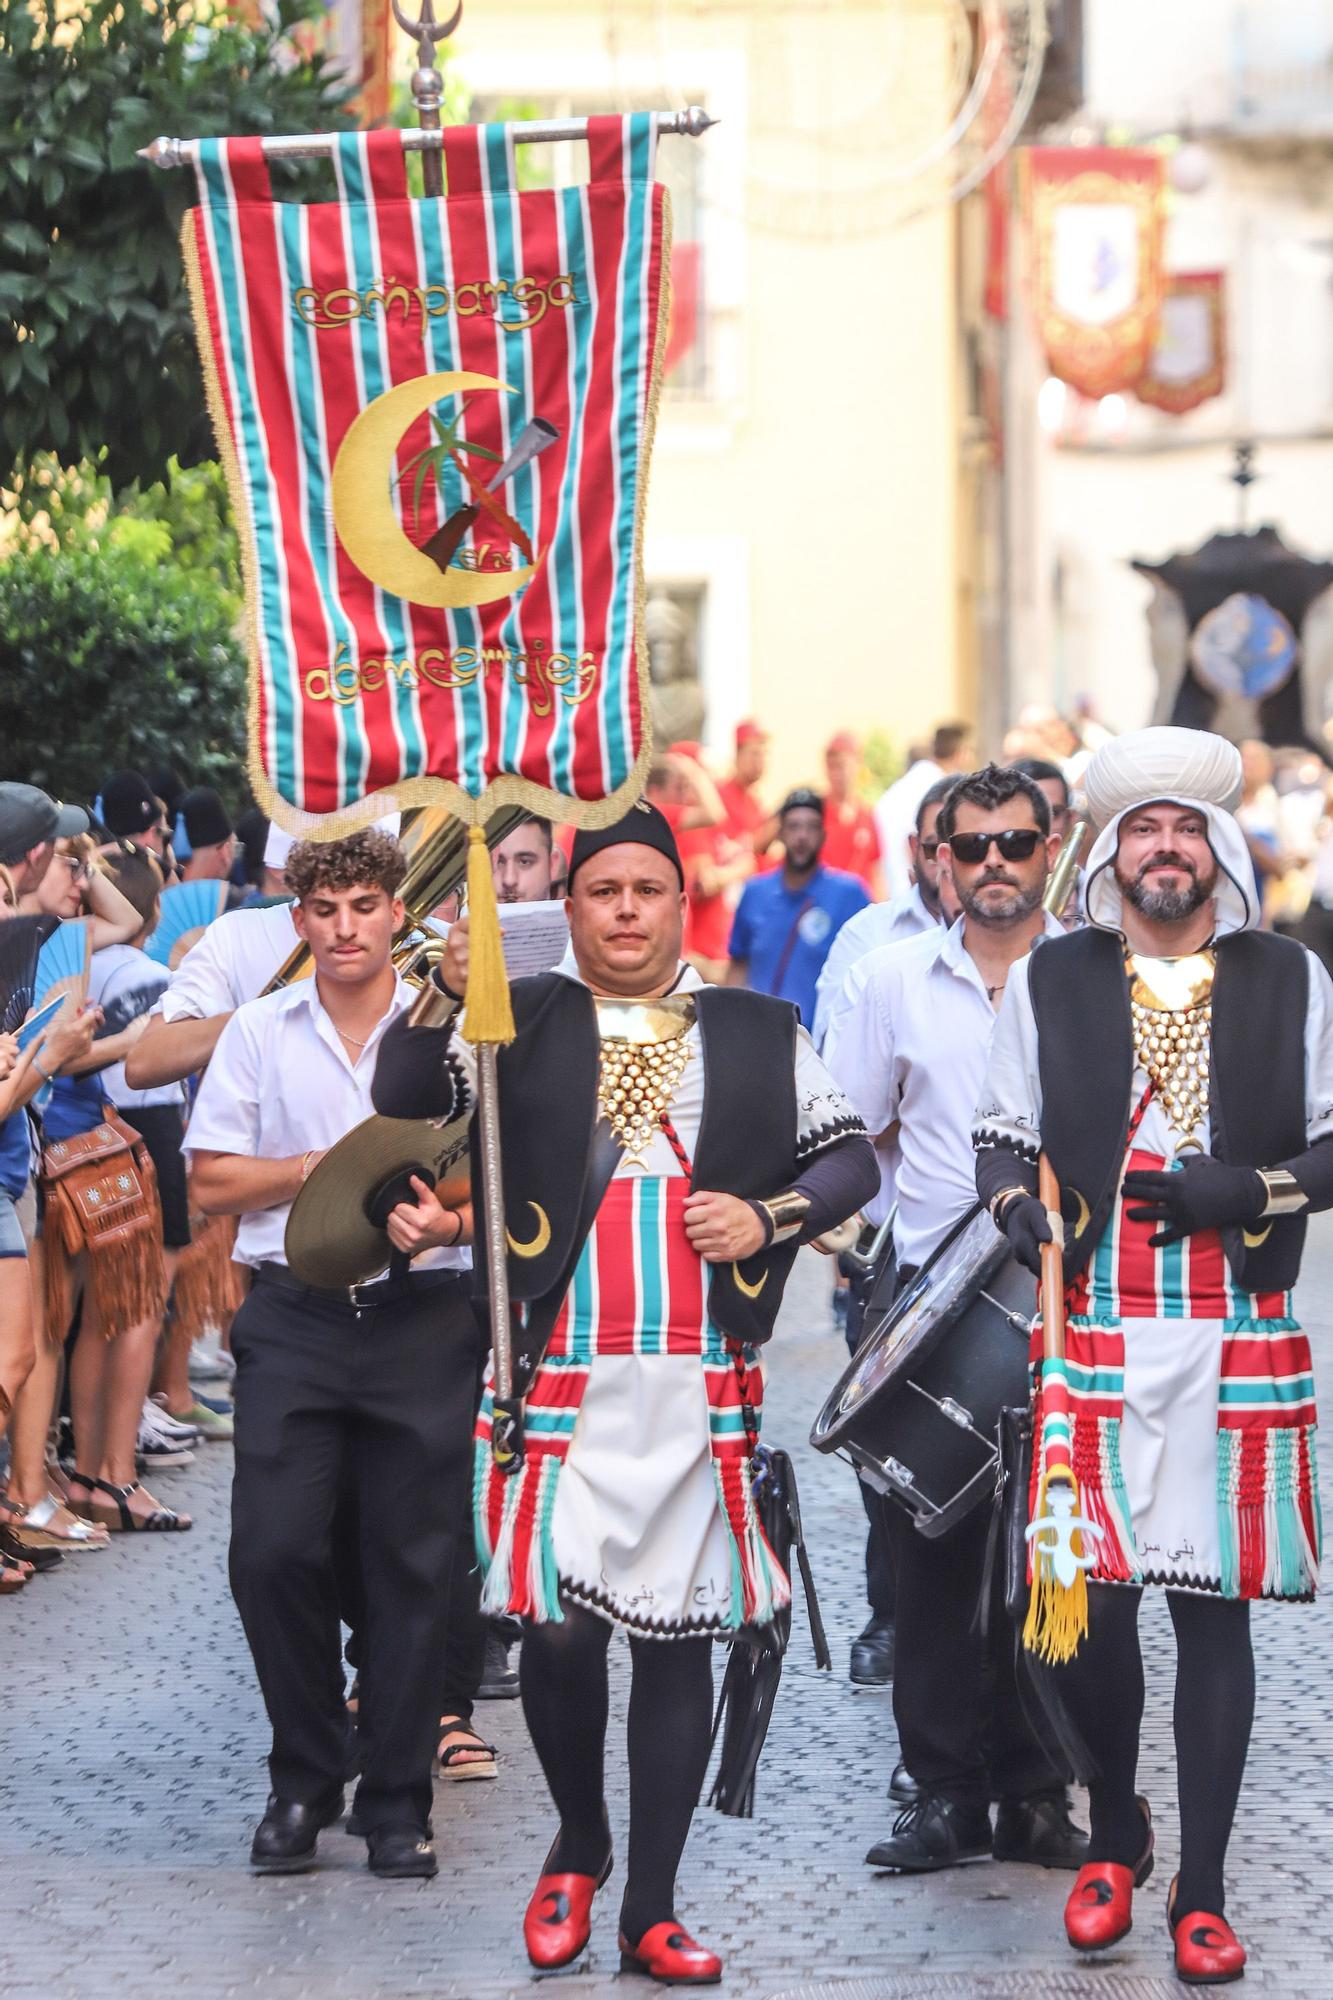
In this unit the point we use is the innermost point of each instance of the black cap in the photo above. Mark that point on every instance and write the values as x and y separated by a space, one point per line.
207 822
802 800
643 826
169 786
28 817
127 804
252 832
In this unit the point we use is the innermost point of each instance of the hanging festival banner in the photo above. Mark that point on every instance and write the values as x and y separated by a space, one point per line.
436 418
1095 218
1188 363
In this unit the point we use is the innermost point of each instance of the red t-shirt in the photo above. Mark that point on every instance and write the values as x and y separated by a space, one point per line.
708 925
851 841
745 813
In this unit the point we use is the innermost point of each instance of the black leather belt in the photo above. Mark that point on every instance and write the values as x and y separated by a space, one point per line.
378 1292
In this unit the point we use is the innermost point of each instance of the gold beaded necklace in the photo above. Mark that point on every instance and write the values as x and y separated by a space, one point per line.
645 1051
1171 1007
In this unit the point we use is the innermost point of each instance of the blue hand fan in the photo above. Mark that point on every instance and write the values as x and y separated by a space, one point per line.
187 911
62 964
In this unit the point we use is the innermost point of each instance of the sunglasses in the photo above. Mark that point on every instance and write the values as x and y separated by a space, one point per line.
928 849
1016 843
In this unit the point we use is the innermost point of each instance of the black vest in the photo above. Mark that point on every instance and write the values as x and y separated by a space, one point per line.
1256 1096
548 1113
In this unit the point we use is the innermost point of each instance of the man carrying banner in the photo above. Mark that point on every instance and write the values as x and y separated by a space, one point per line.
666 1146
372 1385
1175 1066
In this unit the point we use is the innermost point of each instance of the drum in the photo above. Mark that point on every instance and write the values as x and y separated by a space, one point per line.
918 1410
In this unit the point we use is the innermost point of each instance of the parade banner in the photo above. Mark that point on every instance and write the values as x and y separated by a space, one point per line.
436 418
1095 217
1188 363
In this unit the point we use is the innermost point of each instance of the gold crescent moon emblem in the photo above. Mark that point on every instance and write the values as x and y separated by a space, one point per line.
1254 1237
535 1244
1084 1213
363 513
750 1291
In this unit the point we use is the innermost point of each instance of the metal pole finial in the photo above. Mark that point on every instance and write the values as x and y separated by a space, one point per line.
427 83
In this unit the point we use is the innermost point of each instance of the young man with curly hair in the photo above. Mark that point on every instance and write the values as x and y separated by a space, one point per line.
369 1388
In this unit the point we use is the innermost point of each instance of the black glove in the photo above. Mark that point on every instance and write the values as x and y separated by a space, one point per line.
1202 1193
1023 1220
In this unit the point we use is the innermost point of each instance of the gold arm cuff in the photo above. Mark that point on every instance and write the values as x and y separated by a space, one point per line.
432 1007
788 1212
997 1201
1286 1196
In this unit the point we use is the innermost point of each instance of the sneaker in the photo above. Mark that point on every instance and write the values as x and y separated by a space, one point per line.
934 1833
499 1680
221 1406
210 1423
209 1362
155 1453
159 1419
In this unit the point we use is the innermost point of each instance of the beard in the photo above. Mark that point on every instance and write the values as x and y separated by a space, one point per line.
997 912
1166 906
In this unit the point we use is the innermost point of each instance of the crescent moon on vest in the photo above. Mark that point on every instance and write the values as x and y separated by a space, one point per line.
363 511
1084 1213
1254 1237
535 1244
750 1291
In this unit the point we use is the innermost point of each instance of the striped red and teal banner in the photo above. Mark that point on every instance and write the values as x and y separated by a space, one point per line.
428 618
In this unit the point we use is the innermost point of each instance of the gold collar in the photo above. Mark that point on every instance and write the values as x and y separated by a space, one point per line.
1171 985
643 1021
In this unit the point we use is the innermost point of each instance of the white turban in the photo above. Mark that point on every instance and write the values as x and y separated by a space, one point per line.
1182 767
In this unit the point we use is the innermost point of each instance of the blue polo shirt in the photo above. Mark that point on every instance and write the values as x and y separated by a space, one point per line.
774 924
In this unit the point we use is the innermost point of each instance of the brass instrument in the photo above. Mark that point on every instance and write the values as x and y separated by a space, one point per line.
435 843
1063 876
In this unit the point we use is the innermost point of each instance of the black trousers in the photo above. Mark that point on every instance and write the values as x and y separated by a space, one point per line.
962 1727
379 1399
881 1580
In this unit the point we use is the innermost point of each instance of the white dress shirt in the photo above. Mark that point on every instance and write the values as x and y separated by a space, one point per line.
912 1046
878 924
895 819
281 1083
232 963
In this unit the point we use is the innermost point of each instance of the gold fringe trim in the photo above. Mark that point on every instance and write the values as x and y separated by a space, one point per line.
1057 1618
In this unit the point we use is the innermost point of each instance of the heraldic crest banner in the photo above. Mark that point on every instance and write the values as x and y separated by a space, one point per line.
436 417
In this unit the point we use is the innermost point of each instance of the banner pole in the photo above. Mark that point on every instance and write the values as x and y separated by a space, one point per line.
427 83
167 153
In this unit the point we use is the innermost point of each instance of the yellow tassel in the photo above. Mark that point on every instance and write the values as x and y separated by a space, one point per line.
1057 1620
488 1014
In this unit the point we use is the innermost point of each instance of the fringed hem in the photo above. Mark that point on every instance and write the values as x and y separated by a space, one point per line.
1268 1512
207 1287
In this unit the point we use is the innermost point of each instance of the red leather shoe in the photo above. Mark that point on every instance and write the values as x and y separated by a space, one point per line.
1099 1910
1208 1952
671 1957
558 1921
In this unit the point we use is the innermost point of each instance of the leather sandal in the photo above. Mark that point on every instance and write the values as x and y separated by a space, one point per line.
120 1518
557 1923
53 1525
13 1575
1208 1952
1099 1911
671 1957
460 1760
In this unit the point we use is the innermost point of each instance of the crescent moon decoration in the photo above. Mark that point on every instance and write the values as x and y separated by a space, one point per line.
1254 1237
1084 1214
363 513
750 1291
535 1244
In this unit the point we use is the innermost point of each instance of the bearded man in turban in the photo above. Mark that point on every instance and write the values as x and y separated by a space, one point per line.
1176 1067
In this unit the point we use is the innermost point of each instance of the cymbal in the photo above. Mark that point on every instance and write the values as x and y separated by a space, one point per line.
335 1231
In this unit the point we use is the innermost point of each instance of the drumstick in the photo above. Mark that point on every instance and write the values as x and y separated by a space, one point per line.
1058 1535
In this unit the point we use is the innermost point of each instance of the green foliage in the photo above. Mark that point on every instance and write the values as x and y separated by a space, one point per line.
882 759
185 516
111 657
97 356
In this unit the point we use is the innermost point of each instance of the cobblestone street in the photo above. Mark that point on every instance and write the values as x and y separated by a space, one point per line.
133 1774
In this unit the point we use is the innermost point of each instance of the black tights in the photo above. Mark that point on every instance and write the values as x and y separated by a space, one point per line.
1214 1708
562 1673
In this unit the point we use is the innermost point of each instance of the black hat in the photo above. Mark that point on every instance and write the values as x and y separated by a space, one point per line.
643 825
802 800
207 822
169 786
127 804
28 818
252 832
